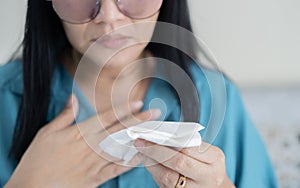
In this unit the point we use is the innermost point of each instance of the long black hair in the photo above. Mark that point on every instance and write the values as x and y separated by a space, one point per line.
43 44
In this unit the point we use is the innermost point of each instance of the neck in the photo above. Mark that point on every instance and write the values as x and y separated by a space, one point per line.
113 85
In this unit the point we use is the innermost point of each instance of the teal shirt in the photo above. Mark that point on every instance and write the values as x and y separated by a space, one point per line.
221 110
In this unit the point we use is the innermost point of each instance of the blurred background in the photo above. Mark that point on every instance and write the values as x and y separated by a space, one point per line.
257 43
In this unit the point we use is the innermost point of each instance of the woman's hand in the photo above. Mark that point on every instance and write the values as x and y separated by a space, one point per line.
62 155
203 166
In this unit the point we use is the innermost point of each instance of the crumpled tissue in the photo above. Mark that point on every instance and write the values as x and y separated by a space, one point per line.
173 134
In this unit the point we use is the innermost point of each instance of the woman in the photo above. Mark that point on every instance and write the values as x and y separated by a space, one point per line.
39 148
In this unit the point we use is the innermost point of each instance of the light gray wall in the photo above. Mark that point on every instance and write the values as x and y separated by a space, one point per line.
255 41
12 19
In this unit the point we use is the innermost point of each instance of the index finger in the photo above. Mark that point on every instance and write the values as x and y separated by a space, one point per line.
205 153
104 120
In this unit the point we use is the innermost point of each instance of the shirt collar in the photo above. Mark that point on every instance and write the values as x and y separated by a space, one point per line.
160 95
60 83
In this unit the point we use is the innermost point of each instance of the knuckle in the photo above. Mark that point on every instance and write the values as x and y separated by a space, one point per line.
190 151
216 176
99 178
116 170
114 129
65 117
212 177
180 163
107 118
131 120
66 113
165 178
218 179
220 154
217 155
76 134
121 113
103 175
128 121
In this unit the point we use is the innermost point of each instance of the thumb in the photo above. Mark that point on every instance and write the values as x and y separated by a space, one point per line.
67 115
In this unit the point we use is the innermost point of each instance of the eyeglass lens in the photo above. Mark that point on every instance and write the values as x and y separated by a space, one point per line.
82 11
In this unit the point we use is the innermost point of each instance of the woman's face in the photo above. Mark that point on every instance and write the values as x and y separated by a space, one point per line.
108 19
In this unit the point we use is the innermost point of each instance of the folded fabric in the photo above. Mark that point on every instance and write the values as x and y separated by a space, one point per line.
173 134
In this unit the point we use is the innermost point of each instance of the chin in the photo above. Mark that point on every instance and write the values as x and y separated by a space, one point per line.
114 58
121 60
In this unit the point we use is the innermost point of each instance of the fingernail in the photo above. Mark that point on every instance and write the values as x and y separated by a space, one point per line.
139 144
136 104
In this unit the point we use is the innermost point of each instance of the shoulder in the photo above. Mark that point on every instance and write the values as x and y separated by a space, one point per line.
10 94
215 90
219 96
221 106
11 76
205 78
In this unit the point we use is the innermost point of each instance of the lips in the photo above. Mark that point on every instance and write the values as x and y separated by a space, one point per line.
112 41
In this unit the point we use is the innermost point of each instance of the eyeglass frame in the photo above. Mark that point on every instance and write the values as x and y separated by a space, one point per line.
97 12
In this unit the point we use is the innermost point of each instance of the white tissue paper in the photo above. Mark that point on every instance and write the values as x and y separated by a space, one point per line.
173 134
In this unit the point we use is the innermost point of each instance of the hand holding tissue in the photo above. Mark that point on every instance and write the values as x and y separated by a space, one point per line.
173 134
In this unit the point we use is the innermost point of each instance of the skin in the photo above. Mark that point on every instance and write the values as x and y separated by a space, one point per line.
111 19
53 156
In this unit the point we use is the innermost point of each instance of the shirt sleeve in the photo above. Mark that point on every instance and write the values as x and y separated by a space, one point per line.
10 99
8 114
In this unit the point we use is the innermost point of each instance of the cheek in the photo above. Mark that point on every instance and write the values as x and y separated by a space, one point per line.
76 36
146 28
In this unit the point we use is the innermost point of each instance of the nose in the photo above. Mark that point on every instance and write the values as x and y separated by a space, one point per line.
109 12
